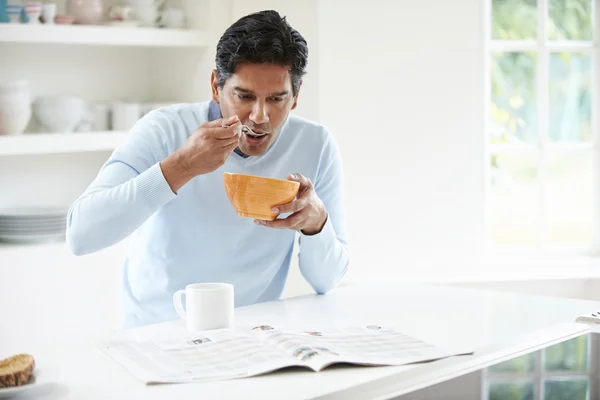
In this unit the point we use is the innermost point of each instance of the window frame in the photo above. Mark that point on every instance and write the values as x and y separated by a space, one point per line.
543 48
538 376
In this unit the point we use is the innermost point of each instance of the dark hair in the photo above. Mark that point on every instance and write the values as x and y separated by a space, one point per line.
262 37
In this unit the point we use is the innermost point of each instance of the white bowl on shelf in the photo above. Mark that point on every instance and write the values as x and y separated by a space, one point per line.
59 114
15 107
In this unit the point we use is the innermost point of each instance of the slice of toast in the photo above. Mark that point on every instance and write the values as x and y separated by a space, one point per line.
16 370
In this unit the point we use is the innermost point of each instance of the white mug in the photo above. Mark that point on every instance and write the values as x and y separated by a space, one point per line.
147 15
49 12
208 306
125 115
172 18
101 120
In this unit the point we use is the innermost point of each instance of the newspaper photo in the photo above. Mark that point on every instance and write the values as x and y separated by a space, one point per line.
222 354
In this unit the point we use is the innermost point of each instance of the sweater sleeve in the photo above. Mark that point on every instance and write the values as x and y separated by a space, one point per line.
324 257
128 189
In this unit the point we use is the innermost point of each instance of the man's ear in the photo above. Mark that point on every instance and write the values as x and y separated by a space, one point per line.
214 86
296 96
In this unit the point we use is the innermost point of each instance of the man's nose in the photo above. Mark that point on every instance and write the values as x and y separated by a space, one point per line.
259 114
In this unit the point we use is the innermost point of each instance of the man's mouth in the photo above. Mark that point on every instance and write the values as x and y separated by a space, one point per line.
254 138
253 133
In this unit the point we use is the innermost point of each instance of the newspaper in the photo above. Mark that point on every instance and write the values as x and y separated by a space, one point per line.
223 354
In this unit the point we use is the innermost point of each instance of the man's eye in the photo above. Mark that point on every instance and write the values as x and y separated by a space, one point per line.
277 99
245 96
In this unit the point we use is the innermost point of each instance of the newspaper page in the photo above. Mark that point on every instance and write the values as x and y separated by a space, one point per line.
222 354
367 345
211 356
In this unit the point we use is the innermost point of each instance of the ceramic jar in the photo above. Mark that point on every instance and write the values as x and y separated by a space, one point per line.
86 12
15 107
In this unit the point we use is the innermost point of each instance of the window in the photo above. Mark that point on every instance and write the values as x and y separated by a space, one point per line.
542 124
565 371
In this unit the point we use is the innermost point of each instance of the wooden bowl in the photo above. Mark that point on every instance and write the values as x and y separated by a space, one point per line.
254 196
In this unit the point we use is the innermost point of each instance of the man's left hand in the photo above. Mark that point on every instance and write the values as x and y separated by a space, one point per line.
308 213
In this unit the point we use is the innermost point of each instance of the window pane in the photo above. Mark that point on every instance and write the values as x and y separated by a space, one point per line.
516 390
570 197
513 201
524 363
566 389
514 19
571 355
570 90
570 20
513 108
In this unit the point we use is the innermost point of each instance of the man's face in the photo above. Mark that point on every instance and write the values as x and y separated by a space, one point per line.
261 96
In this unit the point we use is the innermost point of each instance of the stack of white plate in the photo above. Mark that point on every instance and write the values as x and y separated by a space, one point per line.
32 225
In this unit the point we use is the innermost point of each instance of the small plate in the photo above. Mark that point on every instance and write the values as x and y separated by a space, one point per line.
40 381
33 212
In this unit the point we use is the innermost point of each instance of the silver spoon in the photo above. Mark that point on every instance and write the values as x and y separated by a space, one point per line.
251 132
248 130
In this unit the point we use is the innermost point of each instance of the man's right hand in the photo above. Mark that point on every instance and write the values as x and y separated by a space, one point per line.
204 151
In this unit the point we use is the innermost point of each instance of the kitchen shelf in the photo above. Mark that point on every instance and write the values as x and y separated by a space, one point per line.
50 143
106 35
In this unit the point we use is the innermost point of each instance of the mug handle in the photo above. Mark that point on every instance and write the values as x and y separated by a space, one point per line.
178 304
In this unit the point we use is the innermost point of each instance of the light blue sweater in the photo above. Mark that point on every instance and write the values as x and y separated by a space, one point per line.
195 235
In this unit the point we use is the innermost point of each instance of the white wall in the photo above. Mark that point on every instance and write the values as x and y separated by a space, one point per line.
401 87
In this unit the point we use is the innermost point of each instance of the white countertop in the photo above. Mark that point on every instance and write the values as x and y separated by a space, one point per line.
496 325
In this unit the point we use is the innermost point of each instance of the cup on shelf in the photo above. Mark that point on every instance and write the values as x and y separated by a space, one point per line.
146 11
122 15
87 121
3 15
148 16
172 18
49 13
15 107
125 115
86 12
33 9
101 117
14 12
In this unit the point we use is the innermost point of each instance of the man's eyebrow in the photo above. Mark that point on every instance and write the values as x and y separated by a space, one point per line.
279 93
240 89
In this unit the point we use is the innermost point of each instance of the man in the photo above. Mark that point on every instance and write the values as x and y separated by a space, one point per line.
164 188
